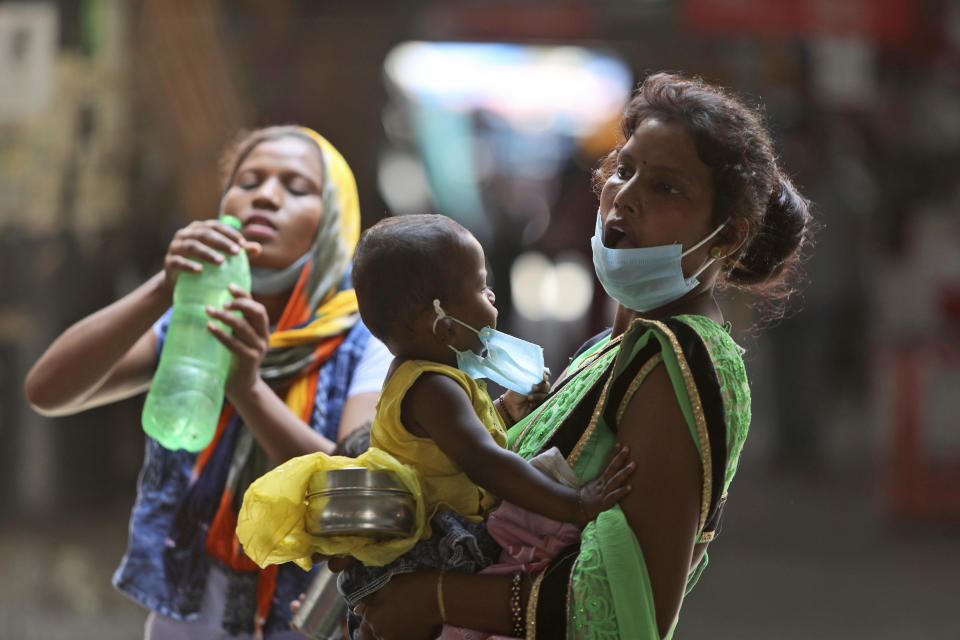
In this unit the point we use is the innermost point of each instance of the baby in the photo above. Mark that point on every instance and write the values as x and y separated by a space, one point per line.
421 284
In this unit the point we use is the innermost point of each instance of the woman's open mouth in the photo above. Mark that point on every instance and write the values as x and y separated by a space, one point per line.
613 237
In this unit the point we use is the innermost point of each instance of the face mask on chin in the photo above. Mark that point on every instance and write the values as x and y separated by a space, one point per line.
509 361
267 281
645 278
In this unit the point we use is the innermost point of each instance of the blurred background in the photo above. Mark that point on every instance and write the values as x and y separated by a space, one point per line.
845 515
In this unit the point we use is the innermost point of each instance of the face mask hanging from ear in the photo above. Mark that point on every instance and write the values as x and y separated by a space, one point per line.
647 277
509 361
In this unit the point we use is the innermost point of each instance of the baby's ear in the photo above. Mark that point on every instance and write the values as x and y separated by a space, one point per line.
437 323
426 325
441 328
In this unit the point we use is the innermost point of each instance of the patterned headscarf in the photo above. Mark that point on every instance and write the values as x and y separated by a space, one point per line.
323 305
321 310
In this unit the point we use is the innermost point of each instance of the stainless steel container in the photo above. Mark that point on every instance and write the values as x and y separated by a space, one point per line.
359 501
323 611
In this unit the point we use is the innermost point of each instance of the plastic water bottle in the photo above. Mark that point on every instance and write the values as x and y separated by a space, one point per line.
186 395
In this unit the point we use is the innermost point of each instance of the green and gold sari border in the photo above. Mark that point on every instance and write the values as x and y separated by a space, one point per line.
693 394
592 426
707 536
636 382
588 361
532 421
532 606
698 416
568 611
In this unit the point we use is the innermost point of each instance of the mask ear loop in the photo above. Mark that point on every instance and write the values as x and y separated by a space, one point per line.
441 314
713 258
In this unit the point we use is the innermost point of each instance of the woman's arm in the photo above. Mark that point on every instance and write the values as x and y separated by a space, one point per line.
358 411
282 433
111 354
364 391
663 509
105 357
407 607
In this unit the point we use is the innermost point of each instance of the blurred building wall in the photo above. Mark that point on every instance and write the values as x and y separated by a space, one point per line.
65 125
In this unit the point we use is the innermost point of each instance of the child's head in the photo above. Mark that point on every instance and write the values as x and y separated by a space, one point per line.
402 264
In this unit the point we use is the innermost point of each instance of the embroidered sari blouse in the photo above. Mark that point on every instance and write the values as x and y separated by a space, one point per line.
599 588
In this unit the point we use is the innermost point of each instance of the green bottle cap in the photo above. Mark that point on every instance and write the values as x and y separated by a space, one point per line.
230 220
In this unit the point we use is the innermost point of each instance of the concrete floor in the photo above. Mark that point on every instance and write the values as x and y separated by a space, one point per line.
801 558
797 558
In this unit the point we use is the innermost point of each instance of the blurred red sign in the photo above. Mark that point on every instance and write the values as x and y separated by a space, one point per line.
888 22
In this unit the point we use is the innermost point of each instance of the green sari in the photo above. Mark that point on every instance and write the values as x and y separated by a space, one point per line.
600 588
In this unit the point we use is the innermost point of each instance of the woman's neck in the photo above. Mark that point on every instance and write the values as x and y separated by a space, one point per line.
696 303
274 303
440 356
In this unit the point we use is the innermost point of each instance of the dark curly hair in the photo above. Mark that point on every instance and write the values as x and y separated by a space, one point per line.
733 140
400 266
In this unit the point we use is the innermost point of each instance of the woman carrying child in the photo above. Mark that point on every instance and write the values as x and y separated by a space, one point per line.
306 374
421 283
421 288
691 199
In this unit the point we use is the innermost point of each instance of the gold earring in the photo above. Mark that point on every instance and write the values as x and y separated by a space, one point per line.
715 252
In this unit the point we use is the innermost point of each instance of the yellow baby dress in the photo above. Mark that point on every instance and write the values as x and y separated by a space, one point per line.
271 525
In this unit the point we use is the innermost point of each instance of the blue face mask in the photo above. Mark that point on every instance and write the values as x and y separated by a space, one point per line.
647 277
509 361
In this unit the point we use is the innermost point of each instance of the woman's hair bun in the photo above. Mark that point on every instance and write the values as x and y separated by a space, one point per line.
771 261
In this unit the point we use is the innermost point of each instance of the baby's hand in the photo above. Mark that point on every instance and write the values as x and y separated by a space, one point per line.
605 490
519 405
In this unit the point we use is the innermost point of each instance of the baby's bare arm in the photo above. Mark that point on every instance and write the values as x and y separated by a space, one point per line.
441 408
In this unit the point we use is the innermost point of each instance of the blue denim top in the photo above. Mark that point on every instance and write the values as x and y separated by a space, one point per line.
163 481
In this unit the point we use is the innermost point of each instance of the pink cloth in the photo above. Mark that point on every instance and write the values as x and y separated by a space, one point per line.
529 542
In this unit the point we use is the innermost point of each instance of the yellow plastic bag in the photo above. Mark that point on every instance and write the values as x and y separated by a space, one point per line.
270 525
